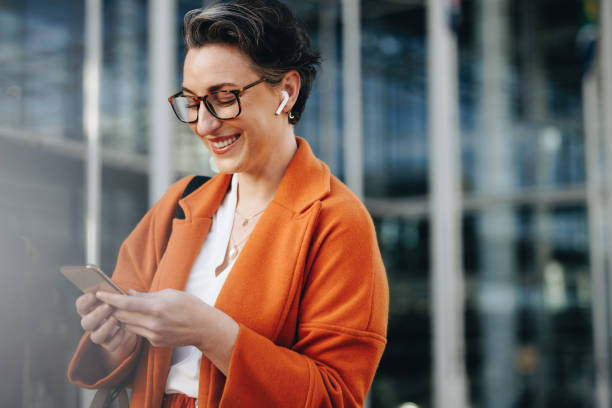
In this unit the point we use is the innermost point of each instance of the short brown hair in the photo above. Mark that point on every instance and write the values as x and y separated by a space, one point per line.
265 30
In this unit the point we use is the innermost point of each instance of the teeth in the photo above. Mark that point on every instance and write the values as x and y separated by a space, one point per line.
220 145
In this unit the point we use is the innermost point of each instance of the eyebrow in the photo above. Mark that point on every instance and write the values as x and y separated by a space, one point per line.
212 88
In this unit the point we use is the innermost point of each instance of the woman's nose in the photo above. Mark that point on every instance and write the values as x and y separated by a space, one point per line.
207 123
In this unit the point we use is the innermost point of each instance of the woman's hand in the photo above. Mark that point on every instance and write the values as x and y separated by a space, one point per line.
104 329
171 318
167 318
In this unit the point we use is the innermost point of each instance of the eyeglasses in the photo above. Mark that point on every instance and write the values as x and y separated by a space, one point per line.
223 104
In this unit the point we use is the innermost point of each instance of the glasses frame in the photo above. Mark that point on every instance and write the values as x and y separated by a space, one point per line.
200 99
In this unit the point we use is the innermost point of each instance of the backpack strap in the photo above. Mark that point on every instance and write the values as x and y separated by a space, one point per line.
193 185
104 398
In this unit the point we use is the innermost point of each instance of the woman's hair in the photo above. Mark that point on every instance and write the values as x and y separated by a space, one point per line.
265 30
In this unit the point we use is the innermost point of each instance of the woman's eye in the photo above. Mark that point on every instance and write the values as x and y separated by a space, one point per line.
224 98
191 102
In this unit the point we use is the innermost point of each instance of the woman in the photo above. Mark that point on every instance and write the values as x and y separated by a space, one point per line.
299 317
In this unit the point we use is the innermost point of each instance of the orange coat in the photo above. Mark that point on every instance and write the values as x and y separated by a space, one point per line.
309 291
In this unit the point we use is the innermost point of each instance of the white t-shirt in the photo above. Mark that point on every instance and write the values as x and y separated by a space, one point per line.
184 373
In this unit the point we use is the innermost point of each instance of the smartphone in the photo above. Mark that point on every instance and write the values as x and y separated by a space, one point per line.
90 278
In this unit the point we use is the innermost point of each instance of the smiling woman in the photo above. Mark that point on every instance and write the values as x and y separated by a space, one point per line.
218 313
252 139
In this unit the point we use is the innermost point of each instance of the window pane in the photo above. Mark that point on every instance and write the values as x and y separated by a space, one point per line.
41 49
124 88
521 89
394 98
528 315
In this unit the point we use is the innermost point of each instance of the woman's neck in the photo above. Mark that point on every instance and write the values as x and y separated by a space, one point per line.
255 190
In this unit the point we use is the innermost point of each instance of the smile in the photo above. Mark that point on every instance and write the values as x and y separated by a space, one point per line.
224 144
227 142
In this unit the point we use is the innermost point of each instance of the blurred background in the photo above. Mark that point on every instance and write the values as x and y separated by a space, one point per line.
516 312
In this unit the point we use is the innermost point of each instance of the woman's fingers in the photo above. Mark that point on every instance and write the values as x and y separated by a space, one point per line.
134 318
86 303
115 339
92 320
133 303
152 337
105 332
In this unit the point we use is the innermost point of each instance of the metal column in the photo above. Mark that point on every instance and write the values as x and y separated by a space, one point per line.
162 81
351 98
92 68
496 293
351 67
445 198
91 124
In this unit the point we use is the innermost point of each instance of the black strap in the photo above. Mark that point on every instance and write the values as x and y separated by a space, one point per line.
193 185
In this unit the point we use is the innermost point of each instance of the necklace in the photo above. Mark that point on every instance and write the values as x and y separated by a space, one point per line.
233 253
245 220
235 246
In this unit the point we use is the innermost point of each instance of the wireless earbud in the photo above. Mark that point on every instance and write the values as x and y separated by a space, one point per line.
283 103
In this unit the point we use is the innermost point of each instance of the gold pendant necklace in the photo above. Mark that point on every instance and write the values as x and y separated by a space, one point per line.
235 247
245 220
233 253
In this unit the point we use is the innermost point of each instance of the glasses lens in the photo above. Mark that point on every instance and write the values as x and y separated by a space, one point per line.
186 108
223 104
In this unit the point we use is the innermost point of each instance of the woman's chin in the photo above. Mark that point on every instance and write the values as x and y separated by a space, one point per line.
225 166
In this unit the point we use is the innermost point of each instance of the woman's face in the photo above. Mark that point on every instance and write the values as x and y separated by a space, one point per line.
246 143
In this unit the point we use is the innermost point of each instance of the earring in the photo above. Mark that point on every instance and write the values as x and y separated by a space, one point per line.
291 116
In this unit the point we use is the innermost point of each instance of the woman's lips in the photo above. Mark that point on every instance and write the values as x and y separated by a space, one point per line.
222 145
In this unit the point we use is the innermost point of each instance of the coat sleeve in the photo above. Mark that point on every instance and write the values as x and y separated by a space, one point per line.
137 262
341 330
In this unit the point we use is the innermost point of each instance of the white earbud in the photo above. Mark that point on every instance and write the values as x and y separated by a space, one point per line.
283 103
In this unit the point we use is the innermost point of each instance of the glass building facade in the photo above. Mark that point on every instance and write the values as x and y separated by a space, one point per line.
532 114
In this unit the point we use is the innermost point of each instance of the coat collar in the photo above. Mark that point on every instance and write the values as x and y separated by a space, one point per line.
306 180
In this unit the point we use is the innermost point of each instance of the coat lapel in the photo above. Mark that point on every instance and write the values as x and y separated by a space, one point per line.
189 234
268 271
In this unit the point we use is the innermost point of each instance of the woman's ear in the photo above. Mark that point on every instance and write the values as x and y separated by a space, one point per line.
291 83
